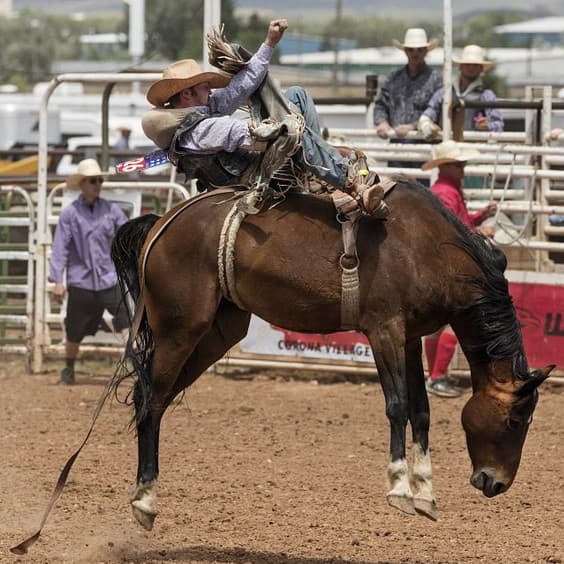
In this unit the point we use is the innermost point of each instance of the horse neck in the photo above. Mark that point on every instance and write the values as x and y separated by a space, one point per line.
492 376
492 357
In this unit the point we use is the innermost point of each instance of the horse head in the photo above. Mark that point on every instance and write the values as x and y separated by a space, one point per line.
496 420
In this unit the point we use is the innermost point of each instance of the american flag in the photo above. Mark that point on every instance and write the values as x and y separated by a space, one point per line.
150 160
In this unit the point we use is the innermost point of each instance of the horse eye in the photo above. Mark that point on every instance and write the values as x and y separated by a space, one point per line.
514 424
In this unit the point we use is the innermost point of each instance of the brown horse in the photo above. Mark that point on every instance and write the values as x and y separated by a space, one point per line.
419 270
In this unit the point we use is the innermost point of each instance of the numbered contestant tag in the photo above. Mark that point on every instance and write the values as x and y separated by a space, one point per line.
150 160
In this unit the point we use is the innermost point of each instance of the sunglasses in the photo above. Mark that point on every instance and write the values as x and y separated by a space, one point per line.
458 164
95 180
415 49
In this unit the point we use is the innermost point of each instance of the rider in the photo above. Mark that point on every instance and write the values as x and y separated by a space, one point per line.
199 123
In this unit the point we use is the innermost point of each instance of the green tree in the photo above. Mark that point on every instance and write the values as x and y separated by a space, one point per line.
30 59
373 32
174 29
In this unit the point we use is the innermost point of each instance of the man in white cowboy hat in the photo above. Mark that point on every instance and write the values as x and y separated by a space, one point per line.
406 91
451 159
467 85
81 258
191 119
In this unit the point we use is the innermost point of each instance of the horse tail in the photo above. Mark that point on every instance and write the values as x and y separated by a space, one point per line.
139 349
126 248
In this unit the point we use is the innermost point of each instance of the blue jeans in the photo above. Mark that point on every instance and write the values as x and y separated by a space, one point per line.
317 156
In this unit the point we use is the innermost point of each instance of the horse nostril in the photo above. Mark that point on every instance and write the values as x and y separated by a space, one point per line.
498 488
485 482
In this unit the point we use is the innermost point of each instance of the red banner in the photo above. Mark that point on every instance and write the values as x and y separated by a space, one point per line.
539 310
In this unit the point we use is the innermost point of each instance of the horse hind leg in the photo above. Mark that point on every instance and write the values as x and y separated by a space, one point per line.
229 327
421 470
165 367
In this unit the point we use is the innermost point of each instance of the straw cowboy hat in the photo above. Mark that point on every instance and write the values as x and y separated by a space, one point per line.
450 152
86 168
159 124
180 75
473 55
415 37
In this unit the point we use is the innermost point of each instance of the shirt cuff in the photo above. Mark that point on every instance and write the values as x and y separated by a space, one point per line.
264 52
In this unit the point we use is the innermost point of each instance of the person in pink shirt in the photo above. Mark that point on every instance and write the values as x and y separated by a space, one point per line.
451 159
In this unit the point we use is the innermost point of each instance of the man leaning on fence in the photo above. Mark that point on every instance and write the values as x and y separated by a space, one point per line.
406 92
468 86
81 257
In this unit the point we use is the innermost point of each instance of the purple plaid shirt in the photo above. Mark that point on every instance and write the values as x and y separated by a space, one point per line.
82 244
475 90
221 131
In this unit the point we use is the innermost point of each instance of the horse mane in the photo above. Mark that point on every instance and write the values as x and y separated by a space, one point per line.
493 311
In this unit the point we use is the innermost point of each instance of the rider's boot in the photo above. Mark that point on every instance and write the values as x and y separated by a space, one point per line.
362 185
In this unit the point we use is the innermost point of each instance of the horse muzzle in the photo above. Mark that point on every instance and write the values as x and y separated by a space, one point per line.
485 481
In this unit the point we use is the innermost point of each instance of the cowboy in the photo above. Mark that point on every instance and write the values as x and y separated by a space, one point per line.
451 159
81 257
406 92
190 119
467 85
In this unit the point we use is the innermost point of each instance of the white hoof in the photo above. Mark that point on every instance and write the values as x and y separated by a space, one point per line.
426 506
402 502
144 504
145 518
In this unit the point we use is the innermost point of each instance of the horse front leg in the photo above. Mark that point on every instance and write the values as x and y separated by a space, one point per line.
419 417
390 361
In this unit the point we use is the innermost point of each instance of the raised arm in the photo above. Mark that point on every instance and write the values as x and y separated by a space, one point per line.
226 100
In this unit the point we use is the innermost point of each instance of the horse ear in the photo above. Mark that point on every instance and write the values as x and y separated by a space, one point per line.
536 378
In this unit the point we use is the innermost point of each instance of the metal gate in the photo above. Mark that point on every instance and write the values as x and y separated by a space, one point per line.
17 249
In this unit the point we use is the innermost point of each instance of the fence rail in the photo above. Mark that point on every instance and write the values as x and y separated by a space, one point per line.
523 176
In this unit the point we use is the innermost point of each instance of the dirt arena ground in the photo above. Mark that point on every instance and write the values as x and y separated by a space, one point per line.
262 470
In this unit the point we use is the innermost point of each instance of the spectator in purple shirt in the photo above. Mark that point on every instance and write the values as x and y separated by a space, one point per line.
81 257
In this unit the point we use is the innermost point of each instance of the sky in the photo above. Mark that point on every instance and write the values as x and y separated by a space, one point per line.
407 9
324 9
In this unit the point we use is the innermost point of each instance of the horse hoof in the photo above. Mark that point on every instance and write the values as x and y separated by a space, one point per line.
143 500
426 507
144 517
403 503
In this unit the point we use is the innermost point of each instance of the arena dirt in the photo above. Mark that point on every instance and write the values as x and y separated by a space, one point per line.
262 470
